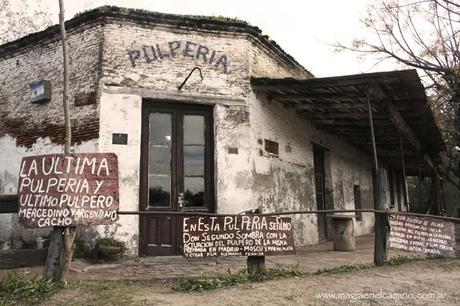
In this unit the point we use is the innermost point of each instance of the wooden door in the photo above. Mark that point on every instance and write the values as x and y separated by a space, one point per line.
320 188
176 172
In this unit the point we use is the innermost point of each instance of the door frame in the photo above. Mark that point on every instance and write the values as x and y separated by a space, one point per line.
209 175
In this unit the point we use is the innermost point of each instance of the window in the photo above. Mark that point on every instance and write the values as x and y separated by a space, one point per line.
357 195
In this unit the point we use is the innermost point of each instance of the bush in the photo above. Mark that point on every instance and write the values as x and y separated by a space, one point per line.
81 249
232 279
103 249
108 248
16 288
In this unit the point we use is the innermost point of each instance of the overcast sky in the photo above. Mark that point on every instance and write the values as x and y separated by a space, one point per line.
303 28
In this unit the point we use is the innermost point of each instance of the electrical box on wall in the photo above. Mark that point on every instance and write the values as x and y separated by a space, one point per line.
40 91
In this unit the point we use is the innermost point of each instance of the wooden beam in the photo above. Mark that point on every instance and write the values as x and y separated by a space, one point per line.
405 129
341 115
8 203
342 122
317 95
399 122
336 105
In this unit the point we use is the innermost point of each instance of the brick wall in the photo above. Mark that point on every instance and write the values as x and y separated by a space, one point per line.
28 122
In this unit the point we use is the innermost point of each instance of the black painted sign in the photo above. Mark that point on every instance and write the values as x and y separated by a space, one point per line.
181 50
245 235
422 235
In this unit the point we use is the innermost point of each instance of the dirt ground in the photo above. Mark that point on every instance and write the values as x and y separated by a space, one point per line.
413 281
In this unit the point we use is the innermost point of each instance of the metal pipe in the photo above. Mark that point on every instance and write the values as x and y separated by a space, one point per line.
299 212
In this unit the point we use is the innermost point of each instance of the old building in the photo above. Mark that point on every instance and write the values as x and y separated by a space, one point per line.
208 114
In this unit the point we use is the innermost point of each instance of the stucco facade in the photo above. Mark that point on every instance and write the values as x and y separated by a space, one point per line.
118 65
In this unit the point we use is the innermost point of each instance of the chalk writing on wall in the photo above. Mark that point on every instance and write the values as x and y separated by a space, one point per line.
178 49
422 235
67 190
246 235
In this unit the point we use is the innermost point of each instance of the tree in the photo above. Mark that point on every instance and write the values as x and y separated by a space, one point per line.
18 18
423 34
60 250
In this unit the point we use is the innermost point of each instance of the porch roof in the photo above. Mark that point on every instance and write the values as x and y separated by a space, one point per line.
339 105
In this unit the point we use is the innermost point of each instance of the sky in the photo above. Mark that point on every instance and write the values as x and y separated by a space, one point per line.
306 29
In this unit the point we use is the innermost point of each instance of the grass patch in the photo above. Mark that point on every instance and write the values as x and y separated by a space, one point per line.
19 289
343 269
232 279
103 292
394 261
403 259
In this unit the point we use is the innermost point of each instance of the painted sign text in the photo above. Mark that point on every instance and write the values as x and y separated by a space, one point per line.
246 235
422 235
68 190
178 49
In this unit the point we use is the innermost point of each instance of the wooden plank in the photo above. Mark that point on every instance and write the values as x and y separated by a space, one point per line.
8 203
339 123
22 258
317 95
422 235
68 190
332 106
244 235
266 84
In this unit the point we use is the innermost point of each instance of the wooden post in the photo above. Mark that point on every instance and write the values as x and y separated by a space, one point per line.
403 166
256 264
380 239
60 249
380 228
436 191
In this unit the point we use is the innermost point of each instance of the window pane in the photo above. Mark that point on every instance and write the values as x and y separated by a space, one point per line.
194 191
193 160
160 129
159 190
193 130
160 160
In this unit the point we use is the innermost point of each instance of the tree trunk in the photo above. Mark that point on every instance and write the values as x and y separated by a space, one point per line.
60 250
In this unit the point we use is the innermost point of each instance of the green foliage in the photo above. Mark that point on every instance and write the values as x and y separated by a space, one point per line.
232 279
402 259
343 269
101 243
16 288
219 18
98 252
82 249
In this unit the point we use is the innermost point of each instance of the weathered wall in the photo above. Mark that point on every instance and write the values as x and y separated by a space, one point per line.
286 182
30 129
162 57
122 114
131 71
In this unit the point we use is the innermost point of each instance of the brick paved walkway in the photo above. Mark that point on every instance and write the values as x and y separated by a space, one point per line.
308 258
